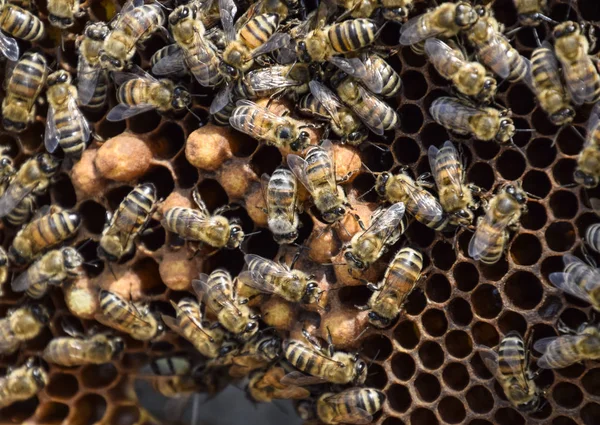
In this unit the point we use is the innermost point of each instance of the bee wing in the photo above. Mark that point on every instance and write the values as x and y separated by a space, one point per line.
550 67
364 71
120 77
256 280
542 345
352 413
221 100
13 197
298 166
498 47
276 41
581 91
22 282
201 288
300 379
490 359
123 111
269 78
434 48
410 33
592 123
228 10
87 85
200 285
327 98
452 167
425 203
267 115
130 5
170 64
9 47
173 325
365 113
566 284
51 134
386 224
487 230
76 115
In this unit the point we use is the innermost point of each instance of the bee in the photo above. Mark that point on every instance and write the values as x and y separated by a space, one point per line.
578 279
257 353
587 172
135 24
77 349
376 114
483 123
323 104
195 51
172 376
192 325
142 93
220 294
368 246
275 278
92 81
503 213
21 325
3 270
130 219
23 87
581 76
547 86
51 227
592 236
494 50
417 201
510 366
392 10
127 317
399 280
445 21
565 350
317 174
264 125
469 78
53 268
264 386
214 230
455 195
18 23
7 169
22 383
531 12
351 406
62 13
318 364
164 53
33 177
281 196
22 212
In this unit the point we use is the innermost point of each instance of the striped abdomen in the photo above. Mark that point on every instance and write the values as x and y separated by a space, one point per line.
592 236
22 212
377 113
311 106
20 23
259 29
135 91
9 341
134 211
189 319
490 243
579 274
306 359
184 222
219 283
28 77
320 167
543 73
511 355
281 191
562 353
52 229
70 132
100 92
582 72
252 121
120 311
142 21
352 35
222 117
67 351
391 80
452 114
349 405
203 62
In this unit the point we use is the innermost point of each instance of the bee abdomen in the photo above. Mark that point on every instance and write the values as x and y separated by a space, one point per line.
22 212
99 97
27 78
20 23
511 354
259 29
592 236
352 35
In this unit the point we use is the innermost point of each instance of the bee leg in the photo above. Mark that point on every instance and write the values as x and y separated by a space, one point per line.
311 340
564 329
225 208
330 346
422 180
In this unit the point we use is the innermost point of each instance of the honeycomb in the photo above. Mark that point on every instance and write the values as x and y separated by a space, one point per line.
427 363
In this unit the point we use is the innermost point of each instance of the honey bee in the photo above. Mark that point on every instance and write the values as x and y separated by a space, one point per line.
578 279
77 349
275 278
469 78
173 377
199 225
21 325
351 406
22 212
503 213
22 383
368 246
33 177
494 50
220 294
318 364
483 123
317 174
22 90
445 21
3 270
376 114
399 280
547 86
592 236
417 201
323 104
18 23
135 24
257 353
581 75
587 172
127 317
510 366
455 195
264 386
192 325
142 93
392 10
65 124
53 268
92 82
195 51
62 13
565 350
281 196
51 227
264 125
128 221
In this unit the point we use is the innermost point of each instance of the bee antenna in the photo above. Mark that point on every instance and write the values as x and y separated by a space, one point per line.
112 271
525 130
193 113
93 263
253 233
375 145
87 241
366 193
169 9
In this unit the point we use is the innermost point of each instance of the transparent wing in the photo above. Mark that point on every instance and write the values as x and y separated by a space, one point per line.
425 203
13 197
366 113
350 412
271 78
542 345
498 47
435 48
386 223
251 125
255 279
221 100
593 122
170 64
122 111
417 30
373 79
450 162
298 166
200 285
566 284
276 41
51 134
213 295
490 359
364 71
228 10
300 379
488 231
22 282
9 47
579 87
86 83
327 98
76 115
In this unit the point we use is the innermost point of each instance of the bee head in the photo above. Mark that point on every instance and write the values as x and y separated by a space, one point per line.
354 262
302 52
71 258
506 130
11 125
181 98
111 63
585 180
97 31
378 321
229 71
358 136
465 15
118 345
398 14
60 22
40 313
47 163
285 238
464 216
563 116
251 328
565 29
381 182
489 88
39 376
227 348
312 293
517 195
360 370
301 142
59 77
236 236
334 214
270 347
5 163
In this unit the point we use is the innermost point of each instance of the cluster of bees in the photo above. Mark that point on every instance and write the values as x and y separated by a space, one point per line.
326 62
